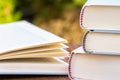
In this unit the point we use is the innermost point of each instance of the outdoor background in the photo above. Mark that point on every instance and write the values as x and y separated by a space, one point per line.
60 17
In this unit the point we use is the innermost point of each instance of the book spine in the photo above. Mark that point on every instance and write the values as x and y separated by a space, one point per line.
69 66
82 12
84 41
71 77
81 16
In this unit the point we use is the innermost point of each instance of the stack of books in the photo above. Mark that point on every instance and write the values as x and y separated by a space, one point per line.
99 56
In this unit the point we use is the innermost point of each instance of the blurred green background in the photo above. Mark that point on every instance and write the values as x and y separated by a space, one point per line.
60 17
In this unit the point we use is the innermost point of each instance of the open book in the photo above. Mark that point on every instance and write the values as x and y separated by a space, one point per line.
27 45
84 66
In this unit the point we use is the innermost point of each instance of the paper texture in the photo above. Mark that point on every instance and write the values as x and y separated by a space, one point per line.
24 40
19 35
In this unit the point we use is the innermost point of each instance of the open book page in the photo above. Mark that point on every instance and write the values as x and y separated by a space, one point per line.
48 53
43 66
21 35
54 50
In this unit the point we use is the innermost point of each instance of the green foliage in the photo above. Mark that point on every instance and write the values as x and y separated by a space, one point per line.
79 2
13 10
50 8
7 11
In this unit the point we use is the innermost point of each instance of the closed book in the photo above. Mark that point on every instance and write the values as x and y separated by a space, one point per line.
84 66
101 14
102 42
